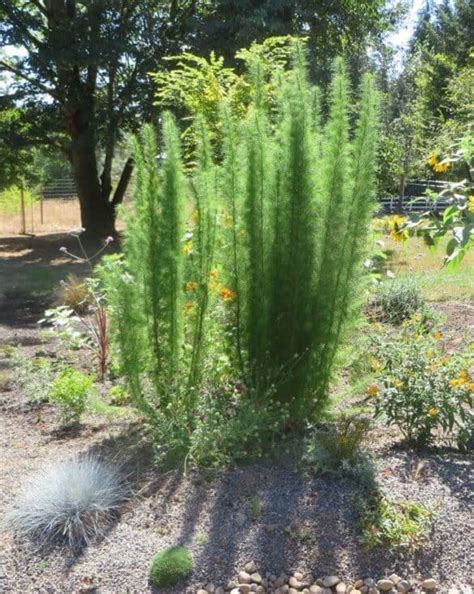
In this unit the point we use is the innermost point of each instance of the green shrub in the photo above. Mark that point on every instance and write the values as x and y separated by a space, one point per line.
398 300
34 376
393 523
170 566
337 448
118 396
70 391
233 316
422 390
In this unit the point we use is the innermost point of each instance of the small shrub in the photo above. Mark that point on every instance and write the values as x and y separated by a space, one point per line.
398 300
74 294
34 376
422 390
70 391
255 507
68 502
170 566
393 523
118 396
336 448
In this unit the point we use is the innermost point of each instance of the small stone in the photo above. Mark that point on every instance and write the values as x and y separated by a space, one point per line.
356 591
403 586
358 584
279 581
369 582
315 589
364 589
465 589
244 578
394 578
201 591
250 567
260 589
341 588
235 591
231 585
219 590
253 587
373 591
385 585
211 588
429 584
330 581
244 588
293 591
298 575
453 591
294 583
256 578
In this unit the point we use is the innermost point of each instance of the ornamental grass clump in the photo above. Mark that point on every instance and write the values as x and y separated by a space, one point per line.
68 502
241 267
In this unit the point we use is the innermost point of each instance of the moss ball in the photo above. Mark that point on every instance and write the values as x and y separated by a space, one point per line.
170 566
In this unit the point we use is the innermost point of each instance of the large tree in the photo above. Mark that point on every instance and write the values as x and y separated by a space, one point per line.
79 71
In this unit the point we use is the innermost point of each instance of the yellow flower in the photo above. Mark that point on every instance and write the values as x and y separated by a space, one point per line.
375 364
470 387
227 294
470 204
398 235
433 411
372 390
187 247
437 335
213 274
191 286
441 167
463 378
454 383
397 383
432 160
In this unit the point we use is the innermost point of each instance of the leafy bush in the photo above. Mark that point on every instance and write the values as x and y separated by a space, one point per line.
397 300
422 390
34 376
70 391
336 448
118 396
280 215
68 502
393 523
170 566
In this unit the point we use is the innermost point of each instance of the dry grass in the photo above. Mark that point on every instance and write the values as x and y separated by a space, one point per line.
58 215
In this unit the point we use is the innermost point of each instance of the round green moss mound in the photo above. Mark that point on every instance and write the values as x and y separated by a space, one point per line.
170 566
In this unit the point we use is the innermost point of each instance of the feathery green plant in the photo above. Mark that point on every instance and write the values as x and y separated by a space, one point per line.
282 208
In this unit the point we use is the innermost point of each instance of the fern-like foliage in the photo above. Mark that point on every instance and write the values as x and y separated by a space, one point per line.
281 208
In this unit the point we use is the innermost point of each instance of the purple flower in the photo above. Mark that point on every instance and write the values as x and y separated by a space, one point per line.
108 240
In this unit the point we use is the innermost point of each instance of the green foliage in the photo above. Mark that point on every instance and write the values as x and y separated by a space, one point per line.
228 321
70 391
337 448
397 300
10 199
427 394
170 566
457 220
34 376
392 523
118 396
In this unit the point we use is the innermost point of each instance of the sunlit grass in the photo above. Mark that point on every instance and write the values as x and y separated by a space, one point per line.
425 265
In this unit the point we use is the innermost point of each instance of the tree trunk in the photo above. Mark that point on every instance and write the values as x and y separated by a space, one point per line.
96 212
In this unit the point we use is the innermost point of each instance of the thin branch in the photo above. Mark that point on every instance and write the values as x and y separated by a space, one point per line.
24 76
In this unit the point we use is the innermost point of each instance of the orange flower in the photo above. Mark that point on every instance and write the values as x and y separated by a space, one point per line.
188 306
437 335
433 411
227 294
372 390
191 286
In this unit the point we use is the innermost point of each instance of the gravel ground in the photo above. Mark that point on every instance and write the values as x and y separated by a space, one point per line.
307 523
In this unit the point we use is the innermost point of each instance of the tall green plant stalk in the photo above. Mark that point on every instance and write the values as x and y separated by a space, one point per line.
204 189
